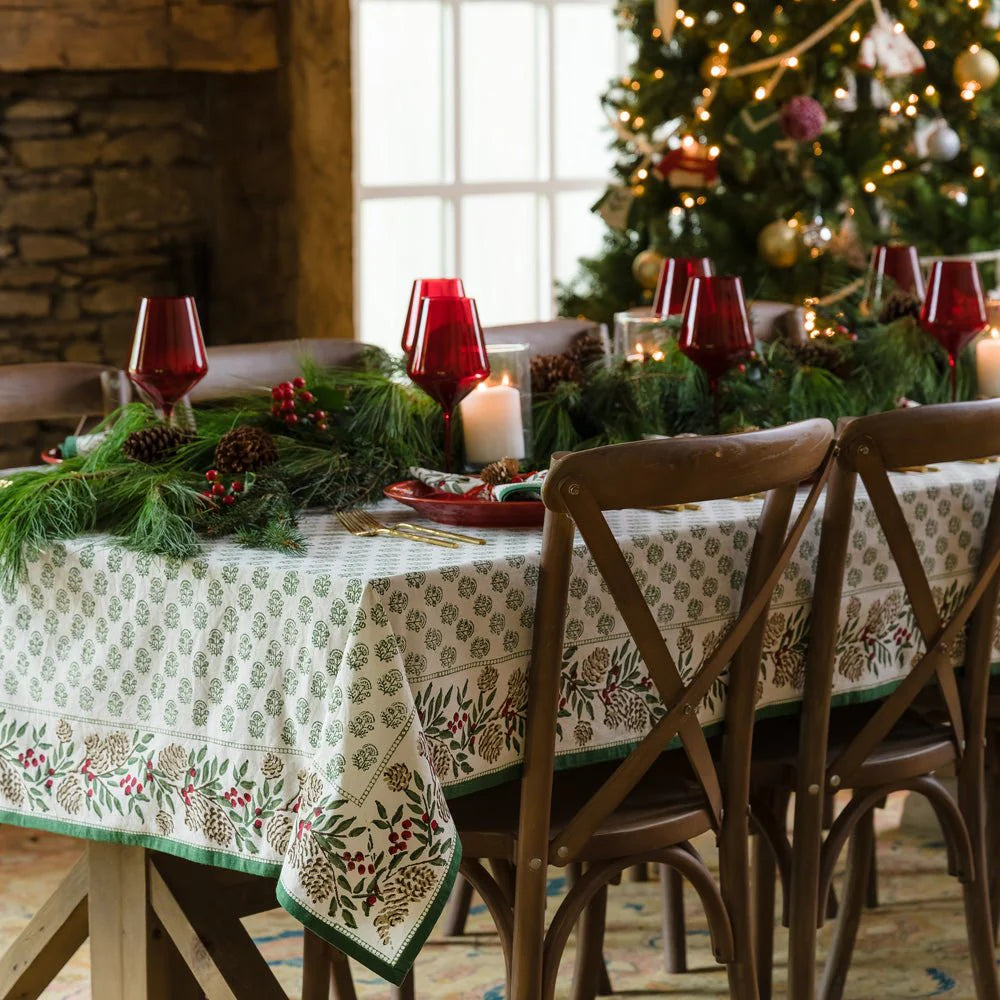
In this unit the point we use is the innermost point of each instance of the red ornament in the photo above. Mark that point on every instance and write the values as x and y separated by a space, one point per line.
690 165
802 118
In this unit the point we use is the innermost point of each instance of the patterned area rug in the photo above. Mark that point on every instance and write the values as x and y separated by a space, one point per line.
913 945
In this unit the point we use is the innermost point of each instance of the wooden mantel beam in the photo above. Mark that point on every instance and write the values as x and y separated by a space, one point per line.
220 37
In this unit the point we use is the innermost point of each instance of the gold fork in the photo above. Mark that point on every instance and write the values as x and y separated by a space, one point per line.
357 523
369 520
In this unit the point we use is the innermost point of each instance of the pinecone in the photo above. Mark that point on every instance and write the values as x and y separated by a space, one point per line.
897 305
502 471
548 370
820 352
245 449
585 349
154 444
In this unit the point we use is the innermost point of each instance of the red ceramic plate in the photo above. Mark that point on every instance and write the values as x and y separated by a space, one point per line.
451 508
53 456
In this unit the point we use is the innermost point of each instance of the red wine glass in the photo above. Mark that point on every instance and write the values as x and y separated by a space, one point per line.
448 359
674 277
715 328
168 353
893 266
427 288
954 310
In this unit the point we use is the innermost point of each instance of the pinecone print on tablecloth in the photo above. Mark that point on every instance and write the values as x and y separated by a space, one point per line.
317 880
585 349
548 370
245 449
897 305
397 776
503 470
154 444
595 666
11 786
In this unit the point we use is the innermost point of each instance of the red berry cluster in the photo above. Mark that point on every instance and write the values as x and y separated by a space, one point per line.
398 841
188 790
130 783
458 721
218 492
85 769
293 402
28 759
237 799
357 862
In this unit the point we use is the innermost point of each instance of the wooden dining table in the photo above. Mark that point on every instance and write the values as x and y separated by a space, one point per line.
307 718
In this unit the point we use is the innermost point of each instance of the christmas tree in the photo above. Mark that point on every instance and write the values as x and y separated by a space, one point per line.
783 140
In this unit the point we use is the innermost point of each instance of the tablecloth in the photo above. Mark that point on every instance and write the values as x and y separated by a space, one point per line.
308 717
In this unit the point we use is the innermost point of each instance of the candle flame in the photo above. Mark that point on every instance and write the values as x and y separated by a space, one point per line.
995 333
638 348
505 380
657 355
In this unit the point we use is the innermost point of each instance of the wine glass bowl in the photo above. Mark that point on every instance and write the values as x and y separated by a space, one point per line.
168 351
427 288
448 359
954 310
715 328
894 266
674 278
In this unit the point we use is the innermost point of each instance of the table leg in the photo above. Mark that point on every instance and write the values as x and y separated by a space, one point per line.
122 941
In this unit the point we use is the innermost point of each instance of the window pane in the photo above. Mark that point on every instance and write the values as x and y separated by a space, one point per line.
404 57
502 94
501 256
585 59
578 231
401 239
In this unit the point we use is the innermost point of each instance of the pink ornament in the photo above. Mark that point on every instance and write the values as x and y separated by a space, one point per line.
802 118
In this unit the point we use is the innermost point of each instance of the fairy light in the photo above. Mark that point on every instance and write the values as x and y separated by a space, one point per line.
687 141
688 22
929 90
639 190
895 108
792 62
930 44
634 84
870 187
760 93
979 170
656 33
676 211
639 122
757 35
703 115
911 110
680 15
974 48
688 201
723 47
840 93
623 116
973 4
855 36
739 8
887 169
702 199
809 322
642 173
713 152
658 73
968 94
912 99
773 39
817 149
898 27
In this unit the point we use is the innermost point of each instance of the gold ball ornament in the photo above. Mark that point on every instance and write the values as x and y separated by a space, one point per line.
976 69
646 268
778 243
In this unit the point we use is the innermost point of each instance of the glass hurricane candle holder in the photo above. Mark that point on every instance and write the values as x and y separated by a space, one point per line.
168 353
988 364
640 334
496 415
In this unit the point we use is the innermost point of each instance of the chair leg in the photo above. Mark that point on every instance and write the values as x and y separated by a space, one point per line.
458 908
871 891
765 874
992 781
637 873
859 859
587 979
674 932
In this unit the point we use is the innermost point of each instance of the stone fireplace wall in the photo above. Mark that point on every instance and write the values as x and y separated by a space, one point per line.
131 183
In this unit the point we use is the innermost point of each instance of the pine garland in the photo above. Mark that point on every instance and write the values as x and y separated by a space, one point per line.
379 425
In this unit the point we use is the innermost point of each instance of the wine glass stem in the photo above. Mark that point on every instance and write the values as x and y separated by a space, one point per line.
713 388
952 364
447 440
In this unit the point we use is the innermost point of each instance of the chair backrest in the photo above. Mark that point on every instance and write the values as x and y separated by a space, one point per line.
55 390
238 369
550 337
578 491
869 448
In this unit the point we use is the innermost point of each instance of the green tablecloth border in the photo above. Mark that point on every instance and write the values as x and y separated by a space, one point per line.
394 974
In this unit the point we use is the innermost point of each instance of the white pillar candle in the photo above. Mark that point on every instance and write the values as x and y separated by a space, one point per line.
491 422
988 364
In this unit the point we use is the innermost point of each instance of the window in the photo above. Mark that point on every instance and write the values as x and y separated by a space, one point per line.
480 146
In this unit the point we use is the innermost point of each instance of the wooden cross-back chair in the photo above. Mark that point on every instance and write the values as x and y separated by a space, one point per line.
238 369
57 390
895 744
649 806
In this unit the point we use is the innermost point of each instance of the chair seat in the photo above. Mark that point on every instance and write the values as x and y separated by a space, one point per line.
667 807
915 746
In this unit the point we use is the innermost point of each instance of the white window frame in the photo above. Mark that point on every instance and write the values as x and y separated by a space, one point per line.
452 194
